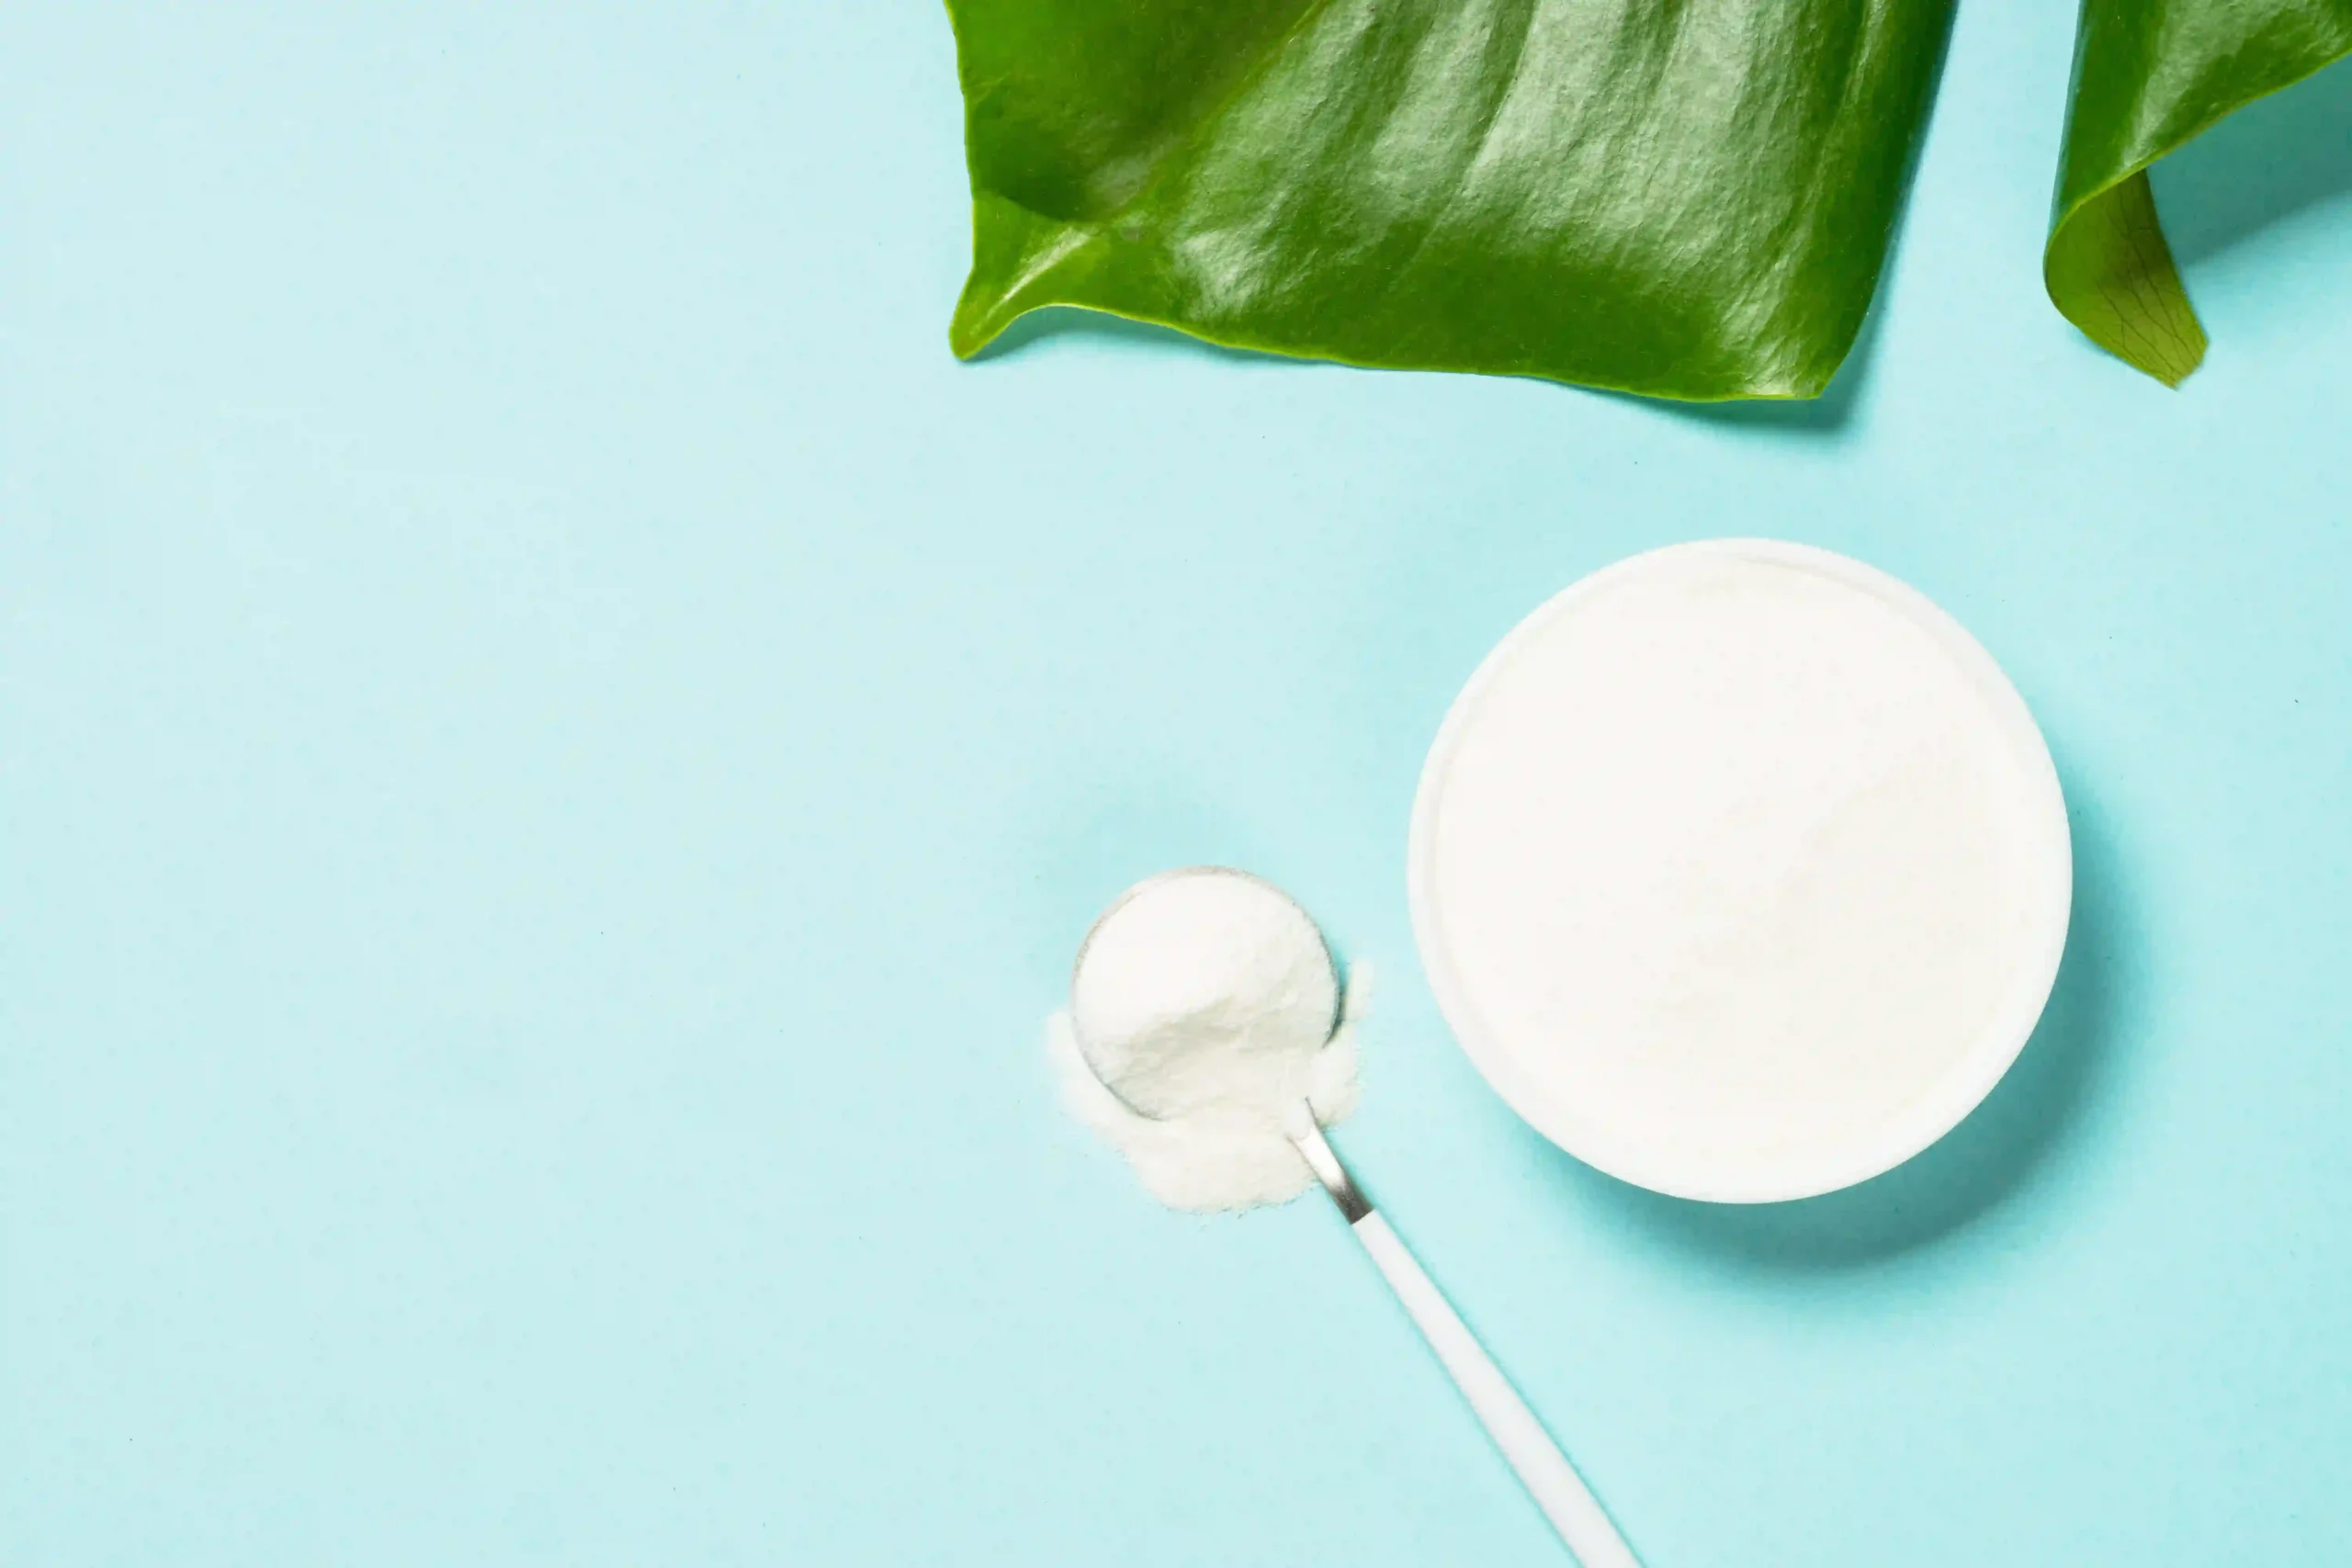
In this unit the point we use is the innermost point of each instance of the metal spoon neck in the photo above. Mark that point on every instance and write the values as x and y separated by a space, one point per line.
1324 1161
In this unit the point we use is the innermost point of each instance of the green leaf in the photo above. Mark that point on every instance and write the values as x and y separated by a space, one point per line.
2150 75
1690 198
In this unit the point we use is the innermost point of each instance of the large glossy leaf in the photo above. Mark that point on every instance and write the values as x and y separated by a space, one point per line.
2149 75
1685 198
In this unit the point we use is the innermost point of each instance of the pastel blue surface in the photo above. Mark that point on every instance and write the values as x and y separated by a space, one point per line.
554 747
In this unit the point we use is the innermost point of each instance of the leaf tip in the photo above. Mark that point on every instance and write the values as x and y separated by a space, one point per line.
971 329
2188 356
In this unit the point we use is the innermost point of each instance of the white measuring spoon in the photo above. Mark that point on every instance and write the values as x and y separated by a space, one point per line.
1540 1464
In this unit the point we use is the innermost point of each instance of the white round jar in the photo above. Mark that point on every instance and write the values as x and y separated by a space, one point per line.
1740 871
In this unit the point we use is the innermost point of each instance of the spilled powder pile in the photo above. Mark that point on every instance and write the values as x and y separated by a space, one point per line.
1208 1002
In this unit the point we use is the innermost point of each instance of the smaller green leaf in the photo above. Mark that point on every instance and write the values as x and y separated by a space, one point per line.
2150 75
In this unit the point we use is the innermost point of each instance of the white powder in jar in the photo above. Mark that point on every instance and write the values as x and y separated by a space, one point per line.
1208 1000
1740 870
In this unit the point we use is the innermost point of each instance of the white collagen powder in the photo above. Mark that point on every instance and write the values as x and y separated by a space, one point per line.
1741 871
1208 1000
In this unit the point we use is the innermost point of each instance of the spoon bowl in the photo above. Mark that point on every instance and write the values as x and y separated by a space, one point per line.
1232 959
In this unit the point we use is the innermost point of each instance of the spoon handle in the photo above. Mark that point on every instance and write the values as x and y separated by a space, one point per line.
1542 1467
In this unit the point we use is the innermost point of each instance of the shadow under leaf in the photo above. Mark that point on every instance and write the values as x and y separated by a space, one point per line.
2269 161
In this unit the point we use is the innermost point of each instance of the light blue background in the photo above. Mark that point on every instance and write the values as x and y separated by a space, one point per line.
554 747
